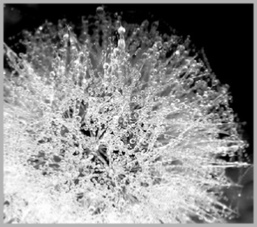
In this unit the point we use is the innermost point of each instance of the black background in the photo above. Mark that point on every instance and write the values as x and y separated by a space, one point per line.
225 31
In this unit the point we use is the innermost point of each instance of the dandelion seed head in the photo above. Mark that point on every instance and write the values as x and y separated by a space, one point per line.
128 124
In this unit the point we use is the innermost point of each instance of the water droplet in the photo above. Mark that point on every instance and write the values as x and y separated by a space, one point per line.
100 11
158 45
121 30
177 52
65 36
106 66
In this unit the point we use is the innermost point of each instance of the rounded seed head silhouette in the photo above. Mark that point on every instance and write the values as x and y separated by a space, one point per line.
117 123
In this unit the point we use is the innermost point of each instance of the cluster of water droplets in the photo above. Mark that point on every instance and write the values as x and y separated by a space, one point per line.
116 124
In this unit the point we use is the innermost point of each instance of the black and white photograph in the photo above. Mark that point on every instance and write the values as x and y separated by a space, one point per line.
128 113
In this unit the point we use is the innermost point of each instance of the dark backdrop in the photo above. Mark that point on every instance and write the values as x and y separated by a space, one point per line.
224 30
